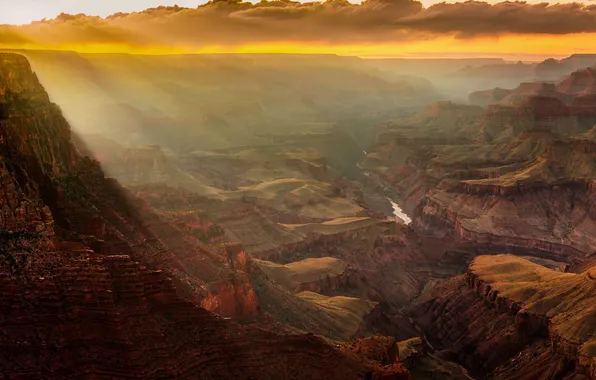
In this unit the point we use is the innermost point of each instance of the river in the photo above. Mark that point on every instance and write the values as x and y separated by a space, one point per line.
399 213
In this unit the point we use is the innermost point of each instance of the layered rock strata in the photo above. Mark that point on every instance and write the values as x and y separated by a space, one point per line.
506 307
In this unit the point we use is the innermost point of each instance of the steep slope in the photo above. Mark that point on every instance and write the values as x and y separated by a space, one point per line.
526 90
545 205
96 211
76 303
580 82
511 318
111 318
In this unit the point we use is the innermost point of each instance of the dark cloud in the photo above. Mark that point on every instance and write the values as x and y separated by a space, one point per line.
475 17
334 21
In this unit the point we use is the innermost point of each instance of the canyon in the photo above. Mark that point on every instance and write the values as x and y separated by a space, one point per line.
510 174
95 284
434 240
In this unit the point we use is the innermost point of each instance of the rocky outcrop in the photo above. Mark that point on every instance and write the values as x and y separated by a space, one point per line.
382 350
324 275
584 106
560 308
483 320
518 96
387 264
529 111
503 210
543 108
580 82
487 97
478 337
463 217
546 101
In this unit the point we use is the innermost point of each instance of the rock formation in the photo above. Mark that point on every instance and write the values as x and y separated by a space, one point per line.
581 82
484 98
526 90
91 279
382 350
523 183
552 197
508 317
576 84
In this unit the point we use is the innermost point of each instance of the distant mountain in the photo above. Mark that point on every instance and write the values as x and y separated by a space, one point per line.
549 70
569 89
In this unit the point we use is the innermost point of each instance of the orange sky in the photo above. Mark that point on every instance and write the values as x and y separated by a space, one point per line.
511 47
377 28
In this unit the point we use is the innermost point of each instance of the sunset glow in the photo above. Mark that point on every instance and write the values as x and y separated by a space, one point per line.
511 46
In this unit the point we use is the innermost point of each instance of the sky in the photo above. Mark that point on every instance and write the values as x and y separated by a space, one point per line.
26 11
372 28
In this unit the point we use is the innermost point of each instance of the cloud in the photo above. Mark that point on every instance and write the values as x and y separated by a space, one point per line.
480 18
229 23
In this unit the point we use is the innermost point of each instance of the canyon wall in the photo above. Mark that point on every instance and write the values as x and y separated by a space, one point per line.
472 322
91 281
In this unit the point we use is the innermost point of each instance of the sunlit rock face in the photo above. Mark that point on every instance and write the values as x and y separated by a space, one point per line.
502 302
